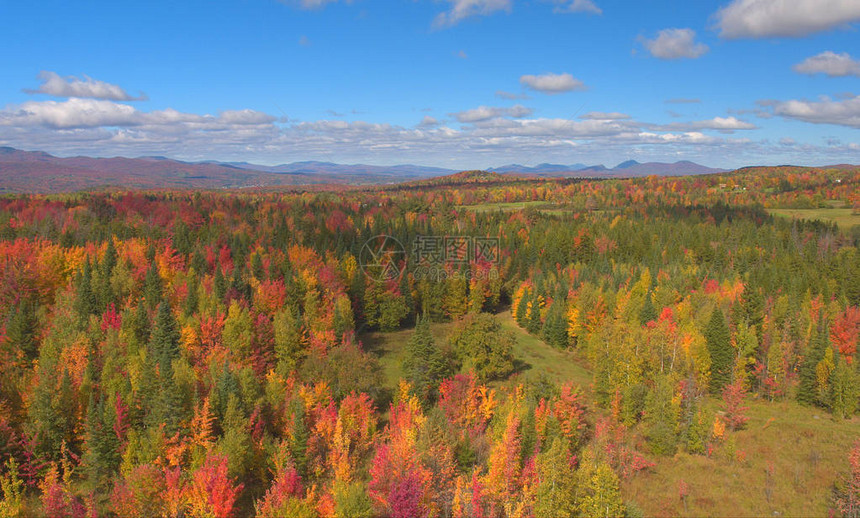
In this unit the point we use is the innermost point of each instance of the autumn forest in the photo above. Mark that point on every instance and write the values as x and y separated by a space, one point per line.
474 345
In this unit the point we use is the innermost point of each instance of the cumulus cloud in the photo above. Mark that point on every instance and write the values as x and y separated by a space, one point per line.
552 83
784 18
675 44
576 6
76 113
829 63
428 122
722 124
483 135
71 86
483 113
845 112
462 9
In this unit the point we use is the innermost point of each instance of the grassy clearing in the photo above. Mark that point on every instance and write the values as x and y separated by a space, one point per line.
534 355
840 216
784 464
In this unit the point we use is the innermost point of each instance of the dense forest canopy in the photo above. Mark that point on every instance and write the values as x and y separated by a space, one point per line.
183 353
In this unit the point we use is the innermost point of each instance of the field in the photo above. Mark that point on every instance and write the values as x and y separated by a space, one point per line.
842 217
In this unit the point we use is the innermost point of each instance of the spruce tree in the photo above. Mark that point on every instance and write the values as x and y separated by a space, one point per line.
424 365
718 339
22 327
806 389
164 342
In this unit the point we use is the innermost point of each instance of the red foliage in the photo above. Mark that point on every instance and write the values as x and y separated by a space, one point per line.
405 497
733 397
212 488
844 332
111 319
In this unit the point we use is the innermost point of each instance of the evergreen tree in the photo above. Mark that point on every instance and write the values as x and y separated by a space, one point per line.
555 328
806 389
424 365
648 312
718 339
844 390
152 286
164 342
86 303
22 329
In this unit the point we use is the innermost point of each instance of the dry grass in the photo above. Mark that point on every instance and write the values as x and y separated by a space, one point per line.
784 464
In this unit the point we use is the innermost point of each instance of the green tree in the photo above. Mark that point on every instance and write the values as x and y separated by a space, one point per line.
482 346
289 341
601 491
22 328
424 365
556 491
718 339
661 417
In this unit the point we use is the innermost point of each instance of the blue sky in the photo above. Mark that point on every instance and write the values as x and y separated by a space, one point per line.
456 83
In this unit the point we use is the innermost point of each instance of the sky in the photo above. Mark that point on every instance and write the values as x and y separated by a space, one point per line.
462 84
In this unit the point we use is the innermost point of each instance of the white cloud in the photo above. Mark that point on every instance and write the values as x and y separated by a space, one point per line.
428 122
493 134
825 111
784 18
608 116
57 86
722 124
829 63
245 117
675 44
76 113
552 83
682 100
483 113
73 113
576 6
510 95
462 9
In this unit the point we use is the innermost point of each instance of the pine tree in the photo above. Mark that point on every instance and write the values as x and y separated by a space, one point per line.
844 390
806 390
164 342
22 329
555 328
152 286
648 312
85 301
718 338
424 365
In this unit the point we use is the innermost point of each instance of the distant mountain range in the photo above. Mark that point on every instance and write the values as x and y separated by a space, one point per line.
630 168
39 172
